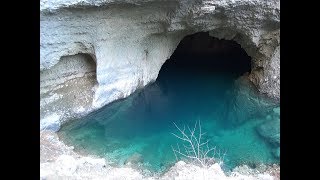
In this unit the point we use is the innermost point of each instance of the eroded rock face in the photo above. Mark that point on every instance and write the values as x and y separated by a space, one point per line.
129 40
66 90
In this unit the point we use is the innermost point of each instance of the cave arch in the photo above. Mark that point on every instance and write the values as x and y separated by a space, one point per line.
204 52
200 55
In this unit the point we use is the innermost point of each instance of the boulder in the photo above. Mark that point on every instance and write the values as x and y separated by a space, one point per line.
270 130
136 158
276 152
51 122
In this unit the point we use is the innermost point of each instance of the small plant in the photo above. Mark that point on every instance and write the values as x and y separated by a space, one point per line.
194 149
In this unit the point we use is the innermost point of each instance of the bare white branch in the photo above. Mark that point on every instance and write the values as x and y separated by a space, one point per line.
194 150
184 139
174 153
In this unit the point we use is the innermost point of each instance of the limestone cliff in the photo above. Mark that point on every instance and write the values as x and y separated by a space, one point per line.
93 52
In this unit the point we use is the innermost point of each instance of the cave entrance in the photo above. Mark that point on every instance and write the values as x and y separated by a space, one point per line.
192 86
204 70
200 52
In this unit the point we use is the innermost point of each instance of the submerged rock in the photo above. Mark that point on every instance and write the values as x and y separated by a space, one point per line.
270 130
276 152
247 103
135 159
276 111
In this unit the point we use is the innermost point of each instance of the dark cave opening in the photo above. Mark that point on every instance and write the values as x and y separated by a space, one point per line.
201 52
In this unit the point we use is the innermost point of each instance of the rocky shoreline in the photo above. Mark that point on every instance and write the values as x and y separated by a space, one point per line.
58 161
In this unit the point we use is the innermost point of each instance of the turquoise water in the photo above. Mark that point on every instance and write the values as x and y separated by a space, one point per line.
138 128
